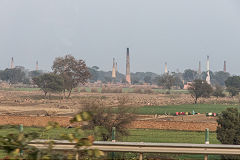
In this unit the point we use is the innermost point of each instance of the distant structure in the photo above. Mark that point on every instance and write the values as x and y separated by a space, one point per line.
199 68
12 63
128 74
165 70
114 70
225 66
37 66
208 78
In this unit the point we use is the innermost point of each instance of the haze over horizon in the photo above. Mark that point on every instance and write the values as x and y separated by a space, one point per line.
181 33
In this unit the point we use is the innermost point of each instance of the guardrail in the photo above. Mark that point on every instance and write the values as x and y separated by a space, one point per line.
139 147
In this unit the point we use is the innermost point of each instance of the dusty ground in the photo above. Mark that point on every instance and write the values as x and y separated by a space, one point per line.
154 123
33 103
32 109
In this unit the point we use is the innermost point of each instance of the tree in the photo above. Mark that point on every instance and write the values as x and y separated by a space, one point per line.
135 80
13 76
218 91
104 118
189 75
220 77
73 72
49 82
35 73
228 130
148 79
94 74
200 88
178 80
233 85
167 81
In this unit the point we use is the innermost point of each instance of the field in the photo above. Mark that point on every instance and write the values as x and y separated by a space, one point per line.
172 109
135 135
28 102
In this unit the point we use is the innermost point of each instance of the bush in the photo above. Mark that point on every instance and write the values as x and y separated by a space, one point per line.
148 91
228 130
83 90
94 90
218 91
111 90
137 90
104 119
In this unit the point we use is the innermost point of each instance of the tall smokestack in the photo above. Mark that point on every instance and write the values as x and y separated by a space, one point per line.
114 69
225 66
37 66
165 69
208 78
128 75
199 68
12 63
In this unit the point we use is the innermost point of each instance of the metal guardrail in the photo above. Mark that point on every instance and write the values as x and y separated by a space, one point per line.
139 147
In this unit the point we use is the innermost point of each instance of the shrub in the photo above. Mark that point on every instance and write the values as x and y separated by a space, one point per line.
111 90
138 90
228 129
83 90
104 119
94 90
218 91
148 91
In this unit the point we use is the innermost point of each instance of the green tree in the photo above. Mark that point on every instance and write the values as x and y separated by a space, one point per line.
200 88
228 130
166 81
178 80
189 75
94 74
35 73
13 76
218 91
220 77
148 79
73 72
233 85
49 82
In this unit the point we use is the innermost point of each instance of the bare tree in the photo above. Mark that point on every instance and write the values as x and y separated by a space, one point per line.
107 118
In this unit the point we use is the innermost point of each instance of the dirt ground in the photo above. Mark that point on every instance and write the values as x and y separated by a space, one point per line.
34 103
42 121
32 109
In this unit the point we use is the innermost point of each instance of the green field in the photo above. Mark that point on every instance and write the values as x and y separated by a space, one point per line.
136 135
172 109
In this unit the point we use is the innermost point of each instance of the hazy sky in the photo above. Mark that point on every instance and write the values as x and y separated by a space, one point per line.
180 32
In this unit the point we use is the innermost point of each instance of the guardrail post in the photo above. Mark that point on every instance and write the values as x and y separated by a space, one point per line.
77 156
21 128
21 131
113 134
141 156
206 136
206 141
113 139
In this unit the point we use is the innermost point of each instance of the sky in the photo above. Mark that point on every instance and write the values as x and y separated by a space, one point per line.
179 32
